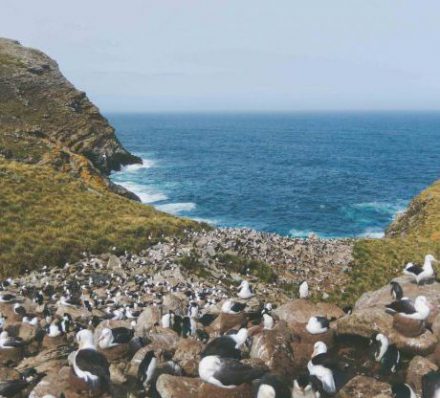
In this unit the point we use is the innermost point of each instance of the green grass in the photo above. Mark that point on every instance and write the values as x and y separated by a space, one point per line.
410 238
191 263
244 265
48 218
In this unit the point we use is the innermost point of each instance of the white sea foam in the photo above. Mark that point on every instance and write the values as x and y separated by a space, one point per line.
374 233
205 220
133 168
145 193
176 208
383 207
301 233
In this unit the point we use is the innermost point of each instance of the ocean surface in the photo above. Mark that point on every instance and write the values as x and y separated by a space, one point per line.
332 174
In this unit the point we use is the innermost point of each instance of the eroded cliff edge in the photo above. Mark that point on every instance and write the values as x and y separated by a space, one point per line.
44 119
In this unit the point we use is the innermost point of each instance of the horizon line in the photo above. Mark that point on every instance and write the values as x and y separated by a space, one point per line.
244 111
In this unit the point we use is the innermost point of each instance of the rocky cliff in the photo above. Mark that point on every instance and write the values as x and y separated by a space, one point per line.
36 101
56 151
45 119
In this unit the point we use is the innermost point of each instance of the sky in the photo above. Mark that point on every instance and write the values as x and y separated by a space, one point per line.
239 55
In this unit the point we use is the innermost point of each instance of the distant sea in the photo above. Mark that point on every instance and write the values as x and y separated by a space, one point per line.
332 174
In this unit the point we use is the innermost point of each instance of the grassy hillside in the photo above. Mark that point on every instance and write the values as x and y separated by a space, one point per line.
48 218
413 235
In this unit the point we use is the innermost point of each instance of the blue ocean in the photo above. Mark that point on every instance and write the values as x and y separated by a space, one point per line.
331 174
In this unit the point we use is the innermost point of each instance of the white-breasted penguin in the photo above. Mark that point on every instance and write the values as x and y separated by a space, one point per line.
385 353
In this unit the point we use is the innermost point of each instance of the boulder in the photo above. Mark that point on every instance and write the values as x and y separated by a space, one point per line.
300 311
183 387
208 390
382 296
274 348
114 263
54 384
418 367
364 322
163 339
45 359
177 387
225 322
365 387
176 302
147 319
187 356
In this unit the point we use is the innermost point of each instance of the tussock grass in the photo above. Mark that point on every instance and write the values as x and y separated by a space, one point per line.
48 218
243 265
413 235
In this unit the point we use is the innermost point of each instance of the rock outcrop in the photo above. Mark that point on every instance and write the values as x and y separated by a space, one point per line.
37 102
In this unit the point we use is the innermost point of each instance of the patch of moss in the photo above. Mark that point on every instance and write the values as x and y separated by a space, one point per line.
48 218
191 263
245 266
22 147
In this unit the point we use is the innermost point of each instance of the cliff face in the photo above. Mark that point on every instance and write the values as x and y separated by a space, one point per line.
44 118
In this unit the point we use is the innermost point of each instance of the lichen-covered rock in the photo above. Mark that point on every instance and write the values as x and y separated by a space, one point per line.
177 387
418 367
300 311
274 348
183 387
147 319
187 355
225 322
364 322
379 298
365 387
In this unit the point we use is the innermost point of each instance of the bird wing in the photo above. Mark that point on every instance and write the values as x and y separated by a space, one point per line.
14 342
95 363
414 269
280 387
430 384
207 319
325 360
325 323
10 388
237 307
405 306
233 372
122 335
223 347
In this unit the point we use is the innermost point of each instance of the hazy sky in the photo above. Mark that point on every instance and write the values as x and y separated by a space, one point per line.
142 55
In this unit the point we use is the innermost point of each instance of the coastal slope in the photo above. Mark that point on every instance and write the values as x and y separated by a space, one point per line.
56 151
412 235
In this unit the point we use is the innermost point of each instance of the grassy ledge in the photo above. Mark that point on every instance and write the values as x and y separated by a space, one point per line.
48 218
413 235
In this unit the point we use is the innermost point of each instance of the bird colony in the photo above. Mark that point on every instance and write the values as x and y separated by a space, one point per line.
119 326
